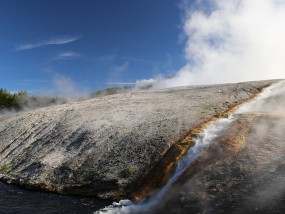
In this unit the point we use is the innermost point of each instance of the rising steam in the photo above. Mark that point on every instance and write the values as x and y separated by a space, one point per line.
230 41
64 86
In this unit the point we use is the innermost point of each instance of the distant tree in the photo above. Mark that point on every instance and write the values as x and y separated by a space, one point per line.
110 91
9 100
21 99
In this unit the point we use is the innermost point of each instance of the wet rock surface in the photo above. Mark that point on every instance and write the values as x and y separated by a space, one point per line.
242 172
106 147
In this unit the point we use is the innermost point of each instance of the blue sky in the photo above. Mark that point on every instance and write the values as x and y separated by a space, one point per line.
91 42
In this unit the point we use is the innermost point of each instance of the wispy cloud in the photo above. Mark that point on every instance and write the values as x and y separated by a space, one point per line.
66 55
106 59
33 81
53 41
117 72
112 57
135 59
121 68
121 83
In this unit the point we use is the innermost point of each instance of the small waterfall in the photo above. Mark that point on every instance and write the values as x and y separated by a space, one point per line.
202 142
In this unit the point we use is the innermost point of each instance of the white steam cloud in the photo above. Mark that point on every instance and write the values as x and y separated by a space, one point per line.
233 41
65 87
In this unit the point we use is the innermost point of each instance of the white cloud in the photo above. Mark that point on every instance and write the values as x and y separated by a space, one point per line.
66 55
54 41
236 40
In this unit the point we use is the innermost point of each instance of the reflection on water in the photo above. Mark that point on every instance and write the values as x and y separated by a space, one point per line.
16 200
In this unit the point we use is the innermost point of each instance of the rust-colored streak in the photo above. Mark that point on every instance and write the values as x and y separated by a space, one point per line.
230 143
162 172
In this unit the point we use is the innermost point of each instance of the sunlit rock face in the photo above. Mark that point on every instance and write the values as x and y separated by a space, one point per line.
243 171
106 147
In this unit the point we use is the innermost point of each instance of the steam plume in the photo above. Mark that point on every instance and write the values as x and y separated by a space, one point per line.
64 86
231 41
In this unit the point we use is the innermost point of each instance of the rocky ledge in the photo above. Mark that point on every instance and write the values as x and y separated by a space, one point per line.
107 147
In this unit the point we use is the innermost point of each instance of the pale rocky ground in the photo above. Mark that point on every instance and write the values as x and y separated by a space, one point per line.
105 147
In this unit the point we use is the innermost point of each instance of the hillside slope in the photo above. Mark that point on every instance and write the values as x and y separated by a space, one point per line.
106 147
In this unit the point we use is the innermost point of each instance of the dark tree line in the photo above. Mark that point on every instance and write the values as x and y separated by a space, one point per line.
9 100
21 100
18 101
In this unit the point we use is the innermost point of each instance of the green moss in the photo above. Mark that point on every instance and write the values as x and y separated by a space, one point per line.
129 171
5 168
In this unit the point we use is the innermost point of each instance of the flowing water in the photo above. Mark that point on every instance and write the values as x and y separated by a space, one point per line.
202 142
